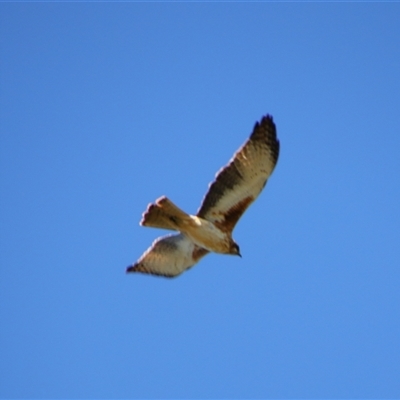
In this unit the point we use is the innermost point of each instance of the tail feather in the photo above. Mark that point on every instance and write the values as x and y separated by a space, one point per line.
163 214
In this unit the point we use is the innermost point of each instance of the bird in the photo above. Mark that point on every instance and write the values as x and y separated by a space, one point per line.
235 187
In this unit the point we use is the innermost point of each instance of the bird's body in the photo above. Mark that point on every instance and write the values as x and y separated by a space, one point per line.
165 214
236 186
207 235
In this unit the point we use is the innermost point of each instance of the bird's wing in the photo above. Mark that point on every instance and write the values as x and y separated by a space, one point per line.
239 183
168 256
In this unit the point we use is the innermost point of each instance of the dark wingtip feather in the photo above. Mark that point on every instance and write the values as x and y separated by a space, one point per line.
131 268
266 128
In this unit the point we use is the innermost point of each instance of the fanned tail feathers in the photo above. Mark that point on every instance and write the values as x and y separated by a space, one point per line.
163 214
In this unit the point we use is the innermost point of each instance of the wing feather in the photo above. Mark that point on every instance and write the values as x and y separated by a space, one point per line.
240 182
169 256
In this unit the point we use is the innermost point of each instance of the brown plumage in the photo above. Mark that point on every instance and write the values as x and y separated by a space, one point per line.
235 187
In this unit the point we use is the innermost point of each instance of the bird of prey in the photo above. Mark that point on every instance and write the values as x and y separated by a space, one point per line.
235 187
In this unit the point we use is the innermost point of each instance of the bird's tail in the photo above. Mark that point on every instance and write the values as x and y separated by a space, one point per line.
164 214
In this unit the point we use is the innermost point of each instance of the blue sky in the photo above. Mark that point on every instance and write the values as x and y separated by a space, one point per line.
105 107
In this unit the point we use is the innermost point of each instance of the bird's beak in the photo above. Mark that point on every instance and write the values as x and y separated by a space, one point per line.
239 255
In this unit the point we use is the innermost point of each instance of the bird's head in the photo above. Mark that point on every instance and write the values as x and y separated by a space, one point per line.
234 249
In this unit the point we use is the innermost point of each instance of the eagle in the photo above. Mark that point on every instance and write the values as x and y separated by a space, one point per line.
235 187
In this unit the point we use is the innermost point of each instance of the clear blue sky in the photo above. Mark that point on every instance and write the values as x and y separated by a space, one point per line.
105 107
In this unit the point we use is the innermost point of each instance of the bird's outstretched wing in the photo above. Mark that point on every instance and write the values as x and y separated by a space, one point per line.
168 256
239 183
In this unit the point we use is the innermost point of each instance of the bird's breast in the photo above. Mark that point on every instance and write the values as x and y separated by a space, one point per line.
205 234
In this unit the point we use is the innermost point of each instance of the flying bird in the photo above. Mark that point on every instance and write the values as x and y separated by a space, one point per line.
235 187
